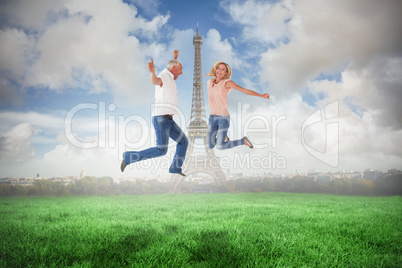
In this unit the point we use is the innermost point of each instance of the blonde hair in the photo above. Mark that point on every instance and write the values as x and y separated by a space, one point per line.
213 70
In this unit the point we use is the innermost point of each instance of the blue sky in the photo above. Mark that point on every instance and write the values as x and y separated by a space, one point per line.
75 91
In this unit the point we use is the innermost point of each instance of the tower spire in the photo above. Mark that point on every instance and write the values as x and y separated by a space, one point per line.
198 117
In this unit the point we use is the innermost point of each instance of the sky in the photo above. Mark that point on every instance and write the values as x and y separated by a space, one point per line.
75 90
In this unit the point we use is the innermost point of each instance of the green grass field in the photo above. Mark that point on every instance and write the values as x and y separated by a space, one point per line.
205 230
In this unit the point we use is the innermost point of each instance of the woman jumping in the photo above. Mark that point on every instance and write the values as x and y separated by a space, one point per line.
219 119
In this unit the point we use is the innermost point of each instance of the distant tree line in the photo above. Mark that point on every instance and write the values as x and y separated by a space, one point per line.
389 184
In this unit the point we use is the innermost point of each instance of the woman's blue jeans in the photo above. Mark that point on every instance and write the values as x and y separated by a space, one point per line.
218 127
164 128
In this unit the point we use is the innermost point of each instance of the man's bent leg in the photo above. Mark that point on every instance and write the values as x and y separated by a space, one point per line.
162 127
181 148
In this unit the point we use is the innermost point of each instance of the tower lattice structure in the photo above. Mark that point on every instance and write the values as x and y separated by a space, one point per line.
206 162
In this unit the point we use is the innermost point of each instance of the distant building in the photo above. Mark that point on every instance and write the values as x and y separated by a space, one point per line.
268 174
83 174
329 176
237 175
370 174
313 175
324 177
346 174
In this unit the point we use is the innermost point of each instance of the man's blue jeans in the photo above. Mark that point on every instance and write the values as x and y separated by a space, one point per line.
218 127
164 128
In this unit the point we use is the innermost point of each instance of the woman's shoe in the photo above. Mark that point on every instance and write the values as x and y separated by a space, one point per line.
123 165
247 140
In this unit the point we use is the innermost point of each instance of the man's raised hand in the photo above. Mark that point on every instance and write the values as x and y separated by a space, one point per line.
151 66
175 54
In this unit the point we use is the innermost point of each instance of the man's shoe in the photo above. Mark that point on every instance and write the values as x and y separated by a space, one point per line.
178 173
123 165
247 140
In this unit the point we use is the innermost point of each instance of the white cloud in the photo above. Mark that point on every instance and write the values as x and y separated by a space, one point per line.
149 7
274 128
37 120
15 145
322 40
15 44
215 49
373 89
91 44
262 21
30 15
15 55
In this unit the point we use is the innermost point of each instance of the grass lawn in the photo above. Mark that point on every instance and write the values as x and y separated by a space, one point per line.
201 230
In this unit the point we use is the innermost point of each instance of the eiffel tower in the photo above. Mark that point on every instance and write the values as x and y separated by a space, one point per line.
201 163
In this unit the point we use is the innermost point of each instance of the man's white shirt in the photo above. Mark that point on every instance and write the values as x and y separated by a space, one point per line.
166 101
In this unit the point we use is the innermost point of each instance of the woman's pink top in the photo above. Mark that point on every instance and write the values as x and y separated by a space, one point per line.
218 97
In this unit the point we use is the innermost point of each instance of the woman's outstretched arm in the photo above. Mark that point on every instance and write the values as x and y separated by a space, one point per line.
246 91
